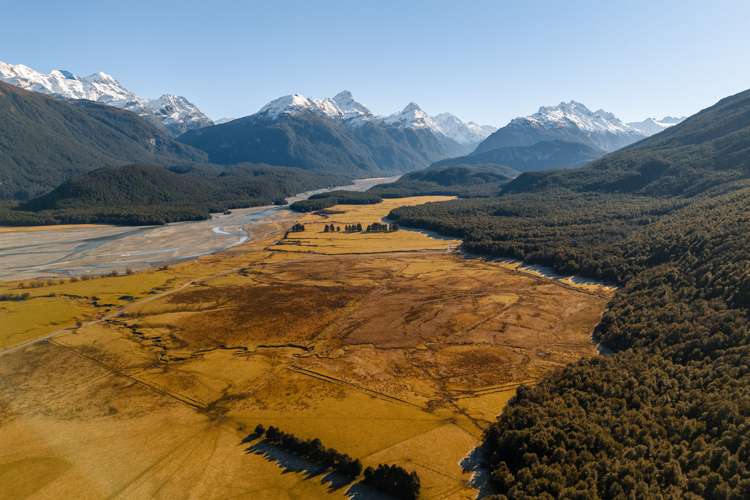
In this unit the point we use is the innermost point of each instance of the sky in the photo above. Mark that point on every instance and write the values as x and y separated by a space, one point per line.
485 61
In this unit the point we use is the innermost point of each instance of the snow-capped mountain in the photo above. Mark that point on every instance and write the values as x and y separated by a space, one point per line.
651 126
176 113
412 116
345 108
574 113
568 121
333 134
342 106
462 132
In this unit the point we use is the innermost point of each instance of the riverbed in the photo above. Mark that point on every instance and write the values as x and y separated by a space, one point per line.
74 250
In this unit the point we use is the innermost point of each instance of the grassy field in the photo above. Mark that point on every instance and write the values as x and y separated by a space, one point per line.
389 347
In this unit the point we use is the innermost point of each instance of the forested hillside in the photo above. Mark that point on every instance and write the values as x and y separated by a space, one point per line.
668 414
315 142
45 141
545 155
460 180
150 194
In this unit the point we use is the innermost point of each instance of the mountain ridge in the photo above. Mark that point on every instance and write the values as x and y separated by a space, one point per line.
568 121
175 113
45 141
337 135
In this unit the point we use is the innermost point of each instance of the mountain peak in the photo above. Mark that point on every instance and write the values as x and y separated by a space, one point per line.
344 95
104 88
344 107
651 126
463 133
350 108
412 107
68 75
287 104
575 114
100 76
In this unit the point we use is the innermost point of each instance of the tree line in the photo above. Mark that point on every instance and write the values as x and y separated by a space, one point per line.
375 227
391 479
668 414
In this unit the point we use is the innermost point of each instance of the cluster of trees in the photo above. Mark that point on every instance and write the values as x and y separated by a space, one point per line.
311 449
14 297
377 227
390 479
297 228
393 480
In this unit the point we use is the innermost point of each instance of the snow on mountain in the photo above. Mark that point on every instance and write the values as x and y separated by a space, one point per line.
651 126
350 109
174 112
177 113
412 116
343 107
288 104
568 121
463 133
574 113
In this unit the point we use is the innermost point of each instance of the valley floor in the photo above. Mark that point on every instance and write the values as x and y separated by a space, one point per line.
390 347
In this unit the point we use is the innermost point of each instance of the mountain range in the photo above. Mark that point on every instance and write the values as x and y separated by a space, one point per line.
175 113
704 150
343 107
337 135
566 135
568 121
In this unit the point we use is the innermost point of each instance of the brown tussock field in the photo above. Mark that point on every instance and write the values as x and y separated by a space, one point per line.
389 347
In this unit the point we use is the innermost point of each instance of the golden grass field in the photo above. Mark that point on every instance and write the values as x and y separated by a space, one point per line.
388 347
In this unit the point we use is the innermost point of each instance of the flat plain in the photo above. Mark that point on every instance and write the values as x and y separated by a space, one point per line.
390 347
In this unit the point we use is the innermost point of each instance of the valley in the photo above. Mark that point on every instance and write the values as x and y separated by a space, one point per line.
429 251
76 250
390 347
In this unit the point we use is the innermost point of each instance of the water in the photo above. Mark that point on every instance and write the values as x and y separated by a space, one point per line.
76 250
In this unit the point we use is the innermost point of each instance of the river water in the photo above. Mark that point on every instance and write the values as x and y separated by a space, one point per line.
27 253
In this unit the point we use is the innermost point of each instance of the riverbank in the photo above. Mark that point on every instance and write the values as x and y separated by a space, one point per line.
86 249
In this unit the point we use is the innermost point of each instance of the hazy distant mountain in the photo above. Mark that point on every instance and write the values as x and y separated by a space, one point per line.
569 122
45 141
336 135
464 133
651 126
544 155
175 113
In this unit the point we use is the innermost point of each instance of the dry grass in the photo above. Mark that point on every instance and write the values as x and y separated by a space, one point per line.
384 346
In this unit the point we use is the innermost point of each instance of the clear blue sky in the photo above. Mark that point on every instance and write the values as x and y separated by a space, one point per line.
486 61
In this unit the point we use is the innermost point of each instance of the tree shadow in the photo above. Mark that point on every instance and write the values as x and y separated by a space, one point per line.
291 463
476 463
361 491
